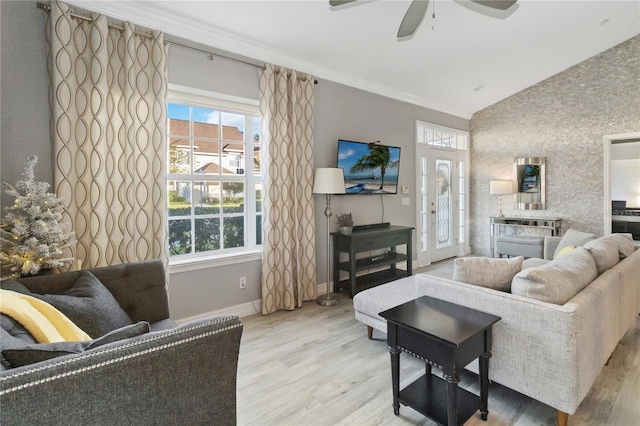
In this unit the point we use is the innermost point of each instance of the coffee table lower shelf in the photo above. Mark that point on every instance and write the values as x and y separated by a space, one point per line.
428 396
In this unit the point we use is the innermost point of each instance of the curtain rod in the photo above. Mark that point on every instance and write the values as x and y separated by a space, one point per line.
210 55
47 9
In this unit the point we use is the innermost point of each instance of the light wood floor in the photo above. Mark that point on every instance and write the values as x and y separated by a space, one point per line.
315 366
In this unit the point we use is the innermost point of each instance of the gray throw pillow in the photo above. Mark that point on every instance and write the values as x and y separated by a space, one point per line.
558 280
604 251
573 238
14 285
89 305
37 352
625 244
487 272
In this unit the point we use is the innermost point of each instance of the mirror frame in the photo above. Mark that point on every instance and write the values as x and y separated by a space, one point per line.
525 202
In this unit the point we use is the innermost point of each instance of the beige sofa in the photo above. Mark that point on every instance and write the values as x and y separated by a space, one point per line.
548 351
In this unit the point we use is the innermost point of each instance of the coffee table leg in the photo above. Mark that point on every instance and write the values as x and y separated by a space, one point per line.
452 398
484 384
395 377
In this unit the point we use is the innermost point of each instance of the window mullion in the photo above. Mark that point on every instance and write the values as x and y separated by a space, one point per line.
213 167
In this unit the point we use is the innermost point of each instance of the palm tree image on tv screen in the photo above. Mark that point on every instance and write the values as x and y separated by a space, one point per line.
369 168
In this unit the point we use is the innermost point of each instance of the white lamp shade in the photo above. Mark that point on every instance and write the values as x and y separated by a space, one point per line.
499 187
329 181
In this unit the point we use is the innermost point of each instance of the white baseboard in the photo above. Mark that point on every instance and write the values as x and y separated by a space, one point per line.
242 310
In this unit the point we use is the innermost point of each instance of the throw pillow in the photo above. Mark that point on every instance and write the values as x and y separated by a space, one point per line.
573 238
14 285
486 272
624 242
559 280
605 252
32 353
90 305
565 250
46 323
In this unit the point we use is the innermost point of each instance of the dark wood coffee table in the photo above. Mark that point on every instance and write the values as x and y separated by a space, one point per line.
448 336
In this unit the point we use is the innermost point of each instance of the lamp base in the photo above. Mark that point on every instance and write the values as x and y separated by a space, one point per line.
327 300
500 214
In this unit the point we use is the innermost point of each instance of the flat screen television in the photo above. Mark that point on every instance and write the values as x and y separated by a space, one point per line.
369 168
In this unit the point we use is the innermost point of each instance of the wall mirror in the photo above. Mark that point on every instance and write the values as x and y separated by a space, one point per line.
530 175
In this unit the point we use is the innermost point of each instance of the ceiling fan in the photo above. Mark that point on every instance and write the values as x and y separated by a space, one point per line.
418 8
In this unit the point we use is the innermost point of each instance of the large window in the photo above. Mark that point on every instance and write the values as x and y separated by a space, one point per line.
214 176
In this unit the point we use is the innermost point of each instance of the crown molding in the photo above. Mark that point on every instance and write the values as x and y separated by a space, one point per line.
149 15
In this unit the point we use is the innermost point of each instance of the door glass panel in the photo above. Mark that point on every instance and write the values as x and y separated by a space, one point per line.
443 204
424 207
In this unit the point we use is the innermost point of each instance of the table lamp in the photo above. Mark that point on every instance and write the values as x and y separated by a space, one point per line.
499 188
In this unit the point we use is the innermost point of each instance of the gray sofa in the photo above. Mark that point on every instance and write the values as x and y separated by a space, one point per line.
169 375
551 352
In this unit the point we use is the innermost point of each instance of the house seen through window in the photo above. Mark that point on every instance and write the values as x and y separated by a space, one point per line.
214 178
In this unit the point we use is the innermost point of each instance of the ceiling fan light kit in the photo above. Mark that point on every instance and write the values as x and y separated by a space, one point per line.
418 8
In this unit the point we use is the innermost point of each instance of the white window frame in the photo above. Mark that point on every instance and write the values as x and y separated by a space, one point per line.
251 251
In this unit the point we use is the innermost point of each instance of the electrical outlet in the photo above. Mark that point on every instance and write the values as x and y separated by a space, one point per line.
243 282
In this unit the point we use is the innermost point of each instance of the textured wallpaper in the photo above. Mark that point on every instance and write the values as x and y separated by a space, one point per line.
564 119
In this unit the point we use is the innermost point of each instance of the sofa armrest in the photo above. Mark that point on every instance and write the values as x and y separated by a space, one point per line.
550 245
182 376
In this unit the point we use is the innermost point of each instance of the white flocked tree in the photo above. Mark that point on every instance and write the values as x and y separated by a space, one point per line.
31 235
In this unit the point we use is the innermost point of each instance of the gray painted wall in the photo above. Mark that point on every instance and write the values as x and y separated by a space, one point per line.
24 93
340 112
564 119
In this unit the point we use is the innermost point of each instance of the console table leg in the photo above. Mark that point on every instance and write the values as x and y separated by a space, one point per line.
484 384
452 398
395 377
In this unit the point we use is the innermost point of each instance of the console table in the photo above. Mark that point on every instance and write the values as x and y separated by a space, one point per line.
446 335
367 238
500 224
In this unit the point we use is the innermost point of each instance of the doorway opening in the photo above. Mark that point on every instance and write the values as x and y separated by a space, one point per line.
442 158
622 184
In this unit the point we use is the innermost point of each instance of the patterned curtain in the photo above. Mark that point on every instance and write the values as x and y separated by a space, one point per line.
288 254
108 100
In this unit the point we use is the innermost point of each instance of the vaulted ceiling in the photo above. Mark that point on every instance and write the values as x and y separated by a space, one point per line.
463 60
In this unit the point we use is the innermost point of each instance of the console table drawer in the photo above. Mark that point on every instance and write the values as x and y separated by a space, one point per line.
379 242
364 244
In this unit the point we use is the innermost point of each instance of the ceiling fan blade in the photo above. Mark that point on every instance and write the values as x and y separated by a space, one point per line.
496 4
339 2
412 18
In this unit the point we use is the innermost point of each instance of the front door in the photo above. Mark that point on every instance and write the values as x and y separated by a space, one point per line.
438 204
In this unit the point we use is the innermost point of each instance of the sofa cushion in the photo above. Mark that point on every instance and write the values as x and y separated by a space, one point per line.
88 304
558 280
487 272
573 238
36 352
605 252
